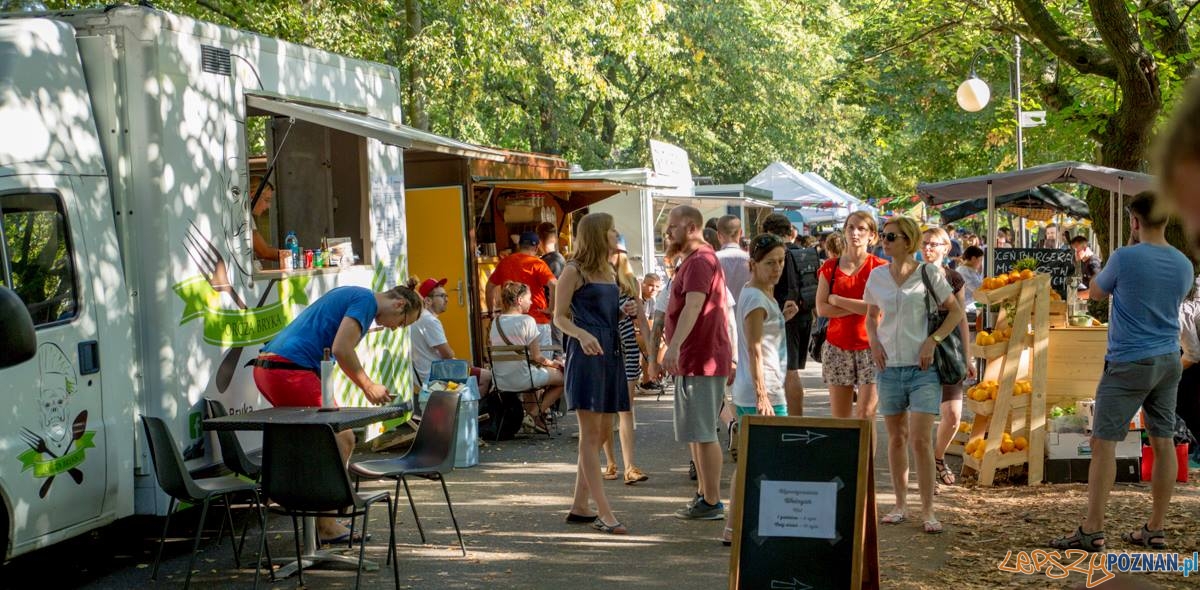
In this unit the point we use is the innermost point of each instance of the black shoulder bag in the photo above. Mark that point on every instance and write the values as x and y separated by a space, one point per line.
948 354
821 327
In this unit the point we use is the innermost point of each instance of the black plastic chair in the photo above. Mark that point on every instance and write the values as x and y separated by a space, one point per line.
175 480
431 456
304 474
232 454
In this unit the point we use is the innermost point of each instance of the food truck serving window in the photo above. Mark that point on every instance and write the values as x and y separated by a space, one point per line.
320 172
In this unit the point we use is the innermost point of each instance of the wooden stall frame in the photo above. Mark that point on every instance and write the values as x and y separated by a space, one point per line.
1008 411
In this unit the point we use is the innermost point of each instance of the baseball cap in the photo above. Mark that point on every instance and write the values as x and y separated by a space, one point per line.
528 238
428 285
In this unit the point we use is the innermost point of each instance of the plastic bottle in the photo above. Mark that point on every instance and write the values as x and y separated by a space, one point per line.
291 242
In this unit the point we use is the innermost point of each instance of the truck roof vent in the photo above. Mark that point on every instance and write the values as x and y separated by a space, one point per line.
215 60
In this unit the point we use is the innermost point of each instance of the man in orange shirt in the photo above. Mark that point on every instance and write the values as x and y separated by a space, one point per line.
524 266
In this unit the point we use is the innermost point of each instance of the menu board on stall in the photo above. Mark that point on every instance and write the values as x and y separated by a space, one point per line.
1059 264
804 496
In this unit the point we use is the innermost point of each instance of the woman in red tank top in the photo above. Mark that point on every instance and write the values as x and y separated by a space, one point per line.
846 362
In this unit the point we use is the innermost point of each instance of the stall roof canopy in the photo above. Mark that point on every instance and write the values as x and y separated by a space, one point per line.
1110 179
1038 203
576 193
401 136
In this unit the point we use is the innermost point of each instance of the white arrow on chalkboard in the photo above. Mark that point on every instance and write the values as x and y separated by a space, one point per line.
808 437
786 585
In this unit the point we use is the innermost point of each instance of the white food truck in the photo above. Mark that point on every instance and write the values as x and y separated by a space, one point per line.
127 234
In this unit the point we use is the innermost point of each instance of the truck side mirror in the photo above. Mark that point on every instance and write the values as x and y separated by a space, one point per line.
16 330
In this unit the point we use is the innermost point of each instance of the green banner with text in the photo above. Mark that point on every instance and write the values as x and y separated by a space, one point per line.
239 327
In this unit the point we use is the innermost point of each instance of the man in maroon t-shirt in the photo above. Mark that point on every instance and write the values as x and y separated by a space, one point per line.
700 355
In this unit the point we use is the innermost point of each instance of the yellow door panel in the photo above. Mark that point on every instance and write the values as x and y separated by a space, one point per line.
437 249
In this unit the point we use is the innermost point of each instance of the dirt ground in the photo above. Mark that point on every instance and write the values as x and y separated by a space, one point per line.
511 508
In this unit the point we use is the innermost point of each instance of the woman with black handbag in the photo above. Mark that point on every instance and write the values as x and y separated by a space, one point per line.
903 348
935 245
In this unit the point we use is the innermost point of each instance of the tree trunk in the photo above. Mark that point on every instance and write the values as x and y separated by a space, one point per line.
415 104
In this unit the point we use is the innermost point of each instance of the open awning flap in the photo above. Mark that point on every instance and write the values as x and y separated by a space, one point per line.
575 193
1110 179
401 136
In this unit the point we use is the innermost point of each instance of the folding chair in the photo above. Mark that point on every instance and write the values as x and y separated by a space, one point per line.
520 353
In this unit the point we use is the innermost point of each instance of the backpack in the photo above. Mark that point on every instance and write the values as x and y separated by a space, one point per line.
801 275
504 412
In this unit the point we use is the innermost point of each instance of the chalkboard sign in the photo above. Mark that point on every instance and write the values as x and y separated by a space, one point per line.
1059 264
804 493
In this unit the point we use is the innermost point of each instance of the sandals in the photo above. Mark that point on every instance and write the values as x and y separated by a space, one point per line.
610 472
944 474
1081 540
612 529
893 518
932 527
1146 539
573 518
634 475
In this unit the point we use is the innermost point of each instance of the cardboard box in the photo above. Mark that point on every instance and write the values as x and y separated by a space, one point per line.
1087 407
1076 470
1070 445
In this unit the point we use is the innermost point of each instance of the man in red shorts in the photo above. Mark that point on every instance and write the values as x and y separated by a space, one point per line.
287 370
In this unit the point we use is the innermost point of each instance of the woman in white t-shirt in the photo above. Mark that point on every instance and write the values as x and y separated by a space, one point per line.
910 391
761 344
514 326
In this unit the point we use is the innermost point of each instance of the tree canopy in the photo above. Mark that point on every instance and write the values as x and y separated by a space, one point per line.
862 92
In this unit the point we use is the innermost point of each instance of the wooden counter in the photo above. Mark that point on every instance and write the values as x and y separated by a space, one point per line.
1076 361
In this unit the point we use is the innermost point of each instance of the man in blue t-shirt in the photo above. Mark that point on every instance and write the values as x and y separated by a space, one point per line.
288 369
1142 367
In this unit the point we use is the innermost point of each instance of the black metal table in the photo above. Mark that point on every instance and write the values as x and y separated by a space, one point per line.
340 419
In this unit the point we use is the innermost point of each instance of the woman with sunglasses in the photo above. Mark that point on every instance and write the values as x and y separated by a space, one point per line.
761 341
935 246
846 359
910 391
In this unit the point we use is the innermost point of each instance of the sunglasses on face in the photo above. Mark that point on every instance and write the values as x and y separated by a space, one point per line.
933 244
892 236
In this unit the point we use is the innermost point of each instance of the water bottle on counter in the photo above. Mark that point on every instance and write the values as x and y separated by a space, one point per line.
291 242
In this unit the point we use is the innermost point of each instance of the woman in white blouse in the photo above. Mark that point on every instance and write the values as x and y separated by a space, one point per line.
909 389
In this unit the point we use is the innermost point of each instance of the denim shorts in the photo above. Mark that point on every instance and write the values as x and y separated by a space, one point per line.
1151 384
909 389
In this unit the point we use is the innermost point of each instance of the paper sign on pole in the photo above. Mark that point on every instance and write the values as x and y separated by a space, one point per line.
671 164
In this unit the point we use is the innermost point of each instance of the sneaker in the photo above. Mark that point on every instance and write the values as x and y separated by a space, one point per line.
692 470
701 510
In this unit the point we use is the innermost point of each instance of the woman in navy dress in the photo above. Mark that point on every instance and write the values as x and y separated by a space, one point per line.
586 309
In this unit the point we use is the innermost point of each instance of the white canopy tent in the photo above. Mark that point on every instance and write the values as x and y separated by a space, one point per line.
818 200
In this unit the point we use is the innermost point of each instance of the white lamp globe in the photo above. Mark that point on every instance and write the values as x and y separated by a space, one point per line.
973 94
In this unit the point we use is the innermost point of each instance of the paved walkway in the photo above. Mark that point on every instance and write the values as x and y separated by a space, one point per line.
511 508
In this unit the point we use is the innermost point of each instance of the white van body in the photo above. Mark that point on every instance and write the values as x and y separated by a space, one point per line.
124 161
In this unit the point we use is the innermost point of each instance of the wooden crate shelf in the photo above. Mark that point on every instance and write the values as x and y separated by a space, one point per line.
986 408
1032 298
1005 460
958 444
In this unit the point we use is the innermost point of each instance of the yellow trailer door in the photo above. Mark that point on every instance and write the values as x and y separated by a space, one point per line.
437 248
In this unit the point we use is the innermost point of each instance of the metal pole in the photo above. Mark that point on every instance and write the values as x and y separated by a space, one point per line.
991 222
1017 78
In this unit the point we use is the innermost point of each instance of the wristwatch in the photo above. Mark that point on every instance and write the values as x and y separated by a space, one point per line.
936 339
